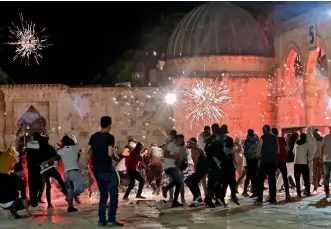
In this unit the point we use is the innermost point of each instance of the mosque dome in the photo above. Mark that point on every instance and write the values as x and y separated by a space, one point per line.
217 28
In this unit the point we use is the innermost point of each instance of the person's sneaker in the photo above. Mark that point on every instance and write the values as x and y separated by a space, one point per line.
35 208
140 197
14 215
272 201
50 206
288 198
307 194
114 224
245 194
210 204
72 209
220 202
327 195
41 201
258 202
176 204
183 201
102 224
164 192
267 199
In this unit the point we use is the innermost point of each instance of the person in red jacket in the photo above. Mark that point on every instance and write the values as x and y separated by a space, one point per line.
132 163
281 161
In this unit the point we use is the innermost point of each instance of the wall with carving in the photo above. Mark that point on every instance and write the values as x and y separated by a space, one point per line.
137 112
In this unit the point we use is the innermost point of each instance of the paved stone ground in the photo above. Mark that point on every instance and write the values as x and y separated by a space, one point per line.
312 212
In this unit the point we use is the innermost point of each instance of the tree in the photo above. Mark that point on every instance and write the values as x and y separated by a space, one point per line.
152 40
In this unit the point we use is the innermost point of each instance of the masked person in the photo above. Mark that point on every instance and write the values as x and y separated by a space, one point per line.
121 166
132 163
200 170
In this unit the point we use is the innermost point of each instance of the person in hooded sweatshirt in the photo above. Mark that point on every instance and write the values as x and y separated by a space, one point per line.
268 151
302 156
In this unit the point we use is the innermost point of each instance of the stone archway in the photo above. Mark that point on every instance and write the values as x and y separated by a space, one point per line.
30 122
290 88
317 86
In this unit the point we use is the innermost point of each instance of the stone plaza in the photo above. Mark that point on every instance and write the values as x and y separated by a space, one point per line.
308 213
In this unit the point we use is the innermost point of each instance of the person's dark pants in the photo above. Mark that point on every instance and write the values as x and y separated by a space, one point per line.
41 190
35 181
154 174
283 170
270 171
108 186
304 171
326 180
134 175
57 176
214 184
229 180
192 181
176 181
252 169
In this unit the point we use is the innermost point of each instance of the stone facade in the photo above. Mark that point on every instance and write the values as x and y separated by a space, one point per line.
136 112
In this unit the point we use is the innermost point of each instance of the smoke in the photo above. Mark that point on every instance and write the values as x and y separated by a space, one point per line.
80 104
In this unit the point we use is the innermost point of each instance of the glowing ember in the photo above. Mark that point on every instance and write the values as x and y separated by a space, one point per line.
27 42
204 101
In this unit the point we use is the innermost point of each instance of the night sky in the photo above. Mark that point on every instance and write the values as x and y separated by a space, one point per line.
86 36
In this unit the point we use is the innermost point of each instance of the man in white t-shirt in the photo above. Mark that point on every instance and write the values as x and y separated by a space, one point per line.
69 156
326 155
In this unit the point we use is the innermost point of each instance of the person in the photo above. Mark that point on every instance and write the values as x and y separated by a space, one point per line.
326 156
171 170
8 159
101 145
302 156
128 148
69 156
181 162
132 162
229 179
313 147
250 153
198 157
317 160
121 165
203 136
155 169
268 150
216 159
281 161
292 139
13 192
48 169
33 166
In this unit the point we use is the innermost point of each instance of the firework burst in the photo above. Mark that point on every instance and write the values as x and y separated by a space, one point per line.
28 44
204 101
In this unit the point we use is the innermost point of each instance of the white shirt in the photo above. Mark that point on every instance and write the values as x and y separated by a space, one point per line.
302 154
170 162
69 156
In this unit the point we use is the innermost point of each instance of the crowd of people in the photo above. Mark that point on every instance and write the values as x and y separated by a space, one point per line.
219 162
